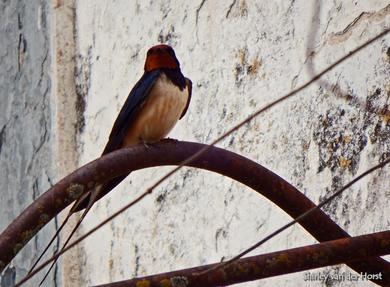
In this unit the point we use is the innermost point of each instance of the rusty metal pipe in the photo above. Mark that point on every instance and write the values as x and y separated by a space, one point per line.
170 152
277 263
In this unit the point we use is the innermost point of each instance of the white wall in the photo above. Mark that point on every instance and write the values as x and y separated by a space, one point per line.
240 56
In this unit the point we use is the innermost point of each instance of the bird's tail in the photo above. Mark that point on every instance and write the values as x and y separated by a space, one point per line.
86 201
50 243
67 239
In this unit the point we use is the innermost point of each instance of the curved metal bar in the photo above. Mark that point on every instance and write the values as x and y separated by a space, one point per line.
276 263
171 152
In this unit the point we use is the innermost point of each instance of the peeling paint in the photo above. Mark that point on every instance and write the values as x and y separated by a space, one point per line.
337 149
342 36
83 78
237 9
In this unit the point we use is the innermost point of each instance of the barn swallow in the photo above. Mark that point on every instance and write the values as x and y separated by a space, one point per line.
158 100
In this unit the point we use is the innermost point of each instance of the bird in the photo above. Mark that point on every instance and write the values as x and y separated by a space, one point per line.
158 100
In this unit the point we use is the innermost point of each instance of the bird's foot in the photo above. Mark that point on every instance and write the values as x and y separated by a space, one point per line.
175 141
145 144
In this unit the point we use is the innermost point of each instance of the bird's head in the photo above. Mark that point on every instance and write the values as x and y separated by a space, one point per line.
161 56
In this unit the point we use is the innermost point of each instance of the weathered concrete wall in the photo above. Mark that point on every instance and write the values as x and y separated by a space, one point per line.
27 166
240 55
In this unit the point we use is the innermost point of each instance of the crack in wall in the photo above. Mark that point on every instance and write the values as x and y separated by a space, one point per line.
2 137
311 50
230 8
342 36
22 48
43 68
198 11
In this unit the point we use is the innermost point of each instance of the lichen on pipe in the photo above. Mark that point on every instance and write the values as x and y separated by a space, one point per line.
273 264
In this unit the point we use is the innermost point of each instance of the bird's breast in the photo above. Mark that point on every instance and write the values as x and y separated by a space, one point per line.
158 114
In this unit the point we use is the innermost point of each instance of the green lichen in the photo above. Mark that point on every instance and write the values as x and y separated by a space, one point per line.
179 281
165 283
43 218
17 247
143 283
75 190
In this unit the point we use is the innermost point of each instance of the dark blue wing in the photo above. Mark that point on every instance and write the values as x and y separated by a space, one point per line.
137 96
134 101
189 87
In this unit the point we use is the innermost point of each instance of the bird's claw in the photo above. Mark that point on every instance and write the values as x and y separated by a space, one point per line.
175 141
145 144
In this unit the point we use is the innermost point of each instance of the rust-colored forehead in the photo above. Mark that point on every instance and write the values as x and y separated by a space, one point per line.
160 46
